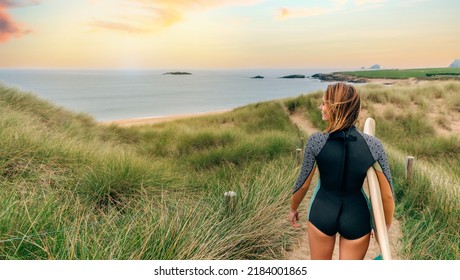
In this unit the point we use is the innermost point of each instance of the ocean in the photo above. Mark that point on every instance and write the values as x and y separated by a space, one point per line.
121 94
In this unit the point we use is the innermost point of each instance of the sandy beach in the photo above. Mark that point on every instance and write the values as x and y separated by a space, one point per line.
160 119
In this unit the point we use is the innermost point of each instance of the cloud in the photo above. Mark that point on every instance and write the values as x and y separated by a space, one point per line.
153 15
120 26
9 27
296 12
341 2
364 2
18 3
410 3
329 7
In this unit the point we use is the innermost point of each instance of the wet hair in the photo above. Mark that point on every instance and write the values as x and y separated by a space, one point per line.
343 105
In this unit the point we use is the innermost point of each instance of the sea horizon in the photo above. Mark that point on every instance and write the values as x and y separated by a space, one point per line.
116 94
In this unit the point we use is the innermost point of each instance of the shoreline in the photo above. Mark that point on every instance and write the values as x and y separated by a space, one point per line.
161 119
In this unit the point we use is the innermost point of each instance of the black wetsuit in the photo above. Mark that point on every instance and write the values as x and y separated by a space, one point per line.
343 158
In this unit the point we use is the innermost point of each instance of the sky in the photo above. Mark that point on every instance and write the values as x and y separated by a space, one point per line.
195 34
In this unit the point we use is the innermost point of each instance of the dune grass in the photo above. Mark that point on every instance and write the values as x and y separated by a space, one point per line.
73 189
429 204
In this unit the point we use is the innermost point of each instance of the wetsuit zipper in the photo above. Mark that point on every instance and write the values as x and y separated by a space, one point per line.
344 159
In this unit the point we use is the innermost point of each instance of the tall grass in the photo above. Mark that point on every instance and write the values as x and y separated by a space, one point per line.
73 189
429 205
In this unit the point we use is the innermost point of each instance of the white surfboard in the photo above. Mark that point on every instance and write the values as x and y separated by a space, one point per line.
380 229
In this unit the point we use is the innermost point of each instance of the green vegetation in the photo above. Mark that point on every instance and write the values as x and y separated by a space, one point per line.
407 118
309 105
423 73
73 189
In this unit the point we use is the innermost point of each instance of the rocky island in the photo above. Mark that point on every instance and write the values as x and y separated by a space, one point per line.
455 63
339 77
293 77
177 73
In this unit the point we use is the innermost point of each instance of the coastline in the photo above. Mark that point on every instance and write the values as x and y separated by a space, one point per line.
161 119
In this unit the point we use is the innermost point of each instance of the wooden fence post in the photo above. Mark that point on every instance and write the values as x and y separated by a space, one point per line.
230 201
299 155
301 137
409 167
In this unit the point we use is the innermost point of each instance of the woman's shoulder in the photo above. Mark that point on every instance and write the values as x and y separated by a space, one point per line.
318 136
316 142
371 140
374 144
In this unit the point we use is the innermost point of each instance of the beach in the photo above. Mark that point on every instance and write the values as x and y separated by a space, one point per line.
109 95
126 122
160 119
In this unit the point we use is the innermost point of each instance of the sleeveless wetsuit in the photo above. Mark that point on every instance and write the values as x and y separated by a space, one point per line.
343 158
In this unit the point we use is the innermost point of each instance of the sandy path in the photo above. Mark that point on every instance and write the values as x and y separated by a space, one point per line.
301 250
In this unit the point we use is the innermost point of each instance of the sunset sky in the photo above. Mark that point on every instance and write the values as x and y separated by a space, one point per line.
185 34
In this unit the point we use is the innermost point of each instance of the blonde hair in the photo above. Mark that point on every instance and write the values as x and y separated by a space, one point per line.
343 105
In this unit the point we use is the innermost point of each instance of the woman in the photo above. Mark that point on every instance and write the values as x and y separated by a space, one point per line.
342 155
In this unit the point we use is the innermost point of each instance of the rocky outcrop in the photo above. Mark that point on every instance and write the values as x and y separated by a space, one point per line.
338 77
293 77
456 63
257 77
373 67
177 73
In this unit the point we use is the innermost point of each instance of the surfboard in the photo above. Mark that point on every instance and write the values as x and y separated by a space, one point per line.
375 197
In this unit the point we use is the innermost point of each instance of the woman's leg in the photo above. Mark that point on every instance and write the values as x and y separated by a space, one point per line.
321 245
353 249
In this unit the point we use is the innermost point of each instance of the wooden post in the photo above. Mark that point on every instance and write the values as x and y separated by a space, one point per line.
230 201
409 167
299 155
302 142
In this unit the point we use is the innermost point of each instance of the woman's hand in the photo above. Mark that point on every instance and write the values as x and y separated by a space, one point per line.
294 218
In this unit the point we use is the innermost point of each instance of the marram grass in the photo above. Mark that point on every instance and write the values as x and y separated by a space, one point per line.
73 189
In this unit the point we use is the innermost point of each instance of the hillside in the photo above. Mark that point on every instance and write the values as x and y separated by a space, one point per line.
392 75
75 189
